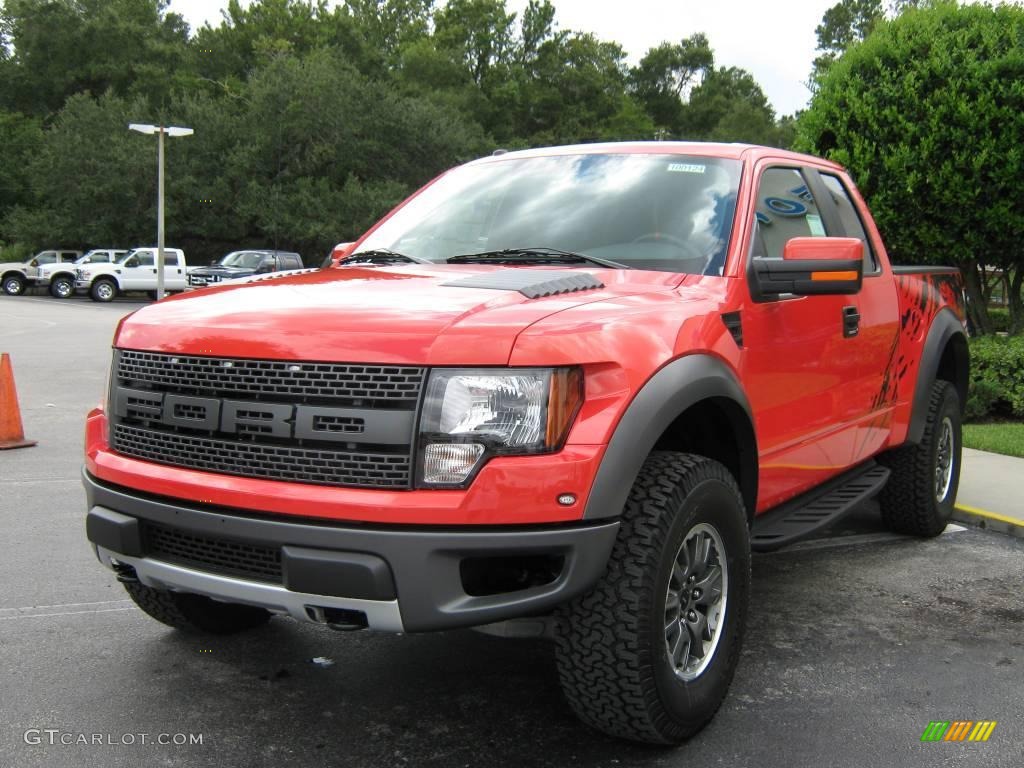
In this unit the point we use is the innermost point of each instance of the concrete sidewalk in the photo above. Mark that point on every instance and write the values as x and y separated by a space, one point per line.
991 492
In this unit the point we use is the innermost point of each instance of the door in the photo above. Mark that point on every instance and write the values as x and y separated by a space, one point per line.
871 386
138 273
174 271
801 357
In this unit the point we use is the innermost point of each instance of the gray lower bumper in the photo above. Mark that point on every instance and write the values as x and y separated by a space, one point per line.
380 614
402 578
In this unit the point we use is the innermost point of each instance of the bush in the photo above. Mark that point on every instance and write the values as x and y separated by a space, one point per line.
15 252
997 377
1000 317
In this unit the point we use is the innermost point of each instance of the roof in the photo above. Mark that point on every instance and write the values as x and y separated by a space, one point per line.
749 152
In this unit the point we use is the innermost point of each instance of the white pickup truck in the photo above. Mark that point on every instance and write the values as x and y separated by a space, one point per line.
16 277
135 271
59 278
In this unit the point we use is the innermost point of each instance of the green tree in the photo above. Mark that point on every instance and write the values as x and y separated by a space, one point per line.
479 32
338 153
848 22
20 138
255 32
729 105
91 182
58 48
662 79
928 115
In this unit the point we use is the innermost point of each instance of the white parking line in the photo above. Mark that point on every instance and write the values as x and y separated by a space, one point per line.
67 605
38 480
47 611
63 613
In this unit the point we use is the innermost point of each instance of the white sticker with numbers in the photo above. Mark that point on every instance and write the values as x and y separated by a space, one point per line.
686 168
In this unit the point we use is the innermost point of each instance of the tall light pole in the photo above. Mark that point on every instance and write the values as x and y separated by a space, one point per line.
160 130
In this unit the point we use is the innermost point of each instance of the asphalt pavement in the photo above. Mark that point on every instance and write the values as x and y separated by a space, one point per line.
856 641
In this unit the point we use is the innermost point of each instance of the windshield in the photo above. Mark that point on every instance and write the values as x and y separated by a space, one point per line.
246 259
94 257
660 212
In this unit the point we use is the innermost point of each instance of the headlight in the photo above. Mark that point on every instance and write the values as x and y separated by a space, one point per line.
470 415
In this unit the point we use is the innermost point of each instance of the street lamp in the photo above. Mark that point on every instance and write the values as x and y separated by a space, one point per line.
160 130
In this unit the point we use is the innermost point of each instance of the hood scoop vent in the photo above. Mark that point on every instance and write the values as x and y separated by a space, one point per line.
532 283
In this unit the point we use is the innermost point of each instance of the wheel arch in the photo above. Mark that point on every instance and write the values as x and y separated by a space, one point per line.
111 278
5 273
945 356
694 404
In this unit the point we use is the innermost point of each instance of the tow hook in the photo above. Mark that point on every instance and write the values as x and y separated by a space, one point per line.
125 573
338 619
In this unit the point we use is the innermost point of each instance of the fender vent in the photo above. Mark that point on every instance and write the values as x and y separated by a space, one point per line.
532 283
734 324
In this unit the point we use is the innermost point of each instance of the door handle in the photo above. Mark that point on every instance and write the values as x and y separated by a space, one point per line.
851 322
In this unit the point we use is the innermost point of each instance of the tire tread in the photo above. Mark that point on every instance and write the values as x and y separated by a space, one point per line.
908 501
603 667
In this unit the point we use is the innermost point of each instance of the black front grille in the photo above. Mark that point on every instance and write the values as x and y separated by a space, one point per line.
230 558
297 381
245 417
272 462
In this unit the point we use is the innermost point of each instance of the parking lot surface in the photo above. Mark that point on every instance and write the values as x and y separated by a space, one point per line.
855 643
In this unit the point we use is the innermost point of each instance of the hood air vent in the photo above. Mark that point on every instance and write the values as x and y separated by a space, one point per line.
532 283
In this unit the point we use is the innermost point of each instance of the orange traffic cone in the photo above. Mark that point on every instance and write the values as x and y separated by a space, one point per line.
11 433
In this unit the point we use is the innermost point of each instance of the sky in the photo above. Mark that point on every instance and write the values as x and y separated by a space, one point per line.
774 41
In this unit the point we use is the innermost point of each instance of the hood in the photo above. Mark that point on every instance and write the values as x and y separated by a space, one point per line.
400 315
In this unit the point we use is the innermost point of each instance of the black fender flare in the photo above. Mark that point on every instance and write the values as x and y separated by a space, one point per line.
946 328
676 387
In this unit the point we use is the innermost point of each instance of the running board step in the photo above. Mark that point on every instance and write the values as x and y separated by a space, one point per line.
821 507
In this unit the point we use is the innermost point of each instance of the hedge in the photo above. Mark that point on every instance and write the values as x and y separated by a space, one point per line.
997 377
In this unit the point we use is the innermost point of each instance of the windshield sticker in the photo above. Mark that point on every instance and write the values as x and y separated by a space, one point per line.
686 168
814 223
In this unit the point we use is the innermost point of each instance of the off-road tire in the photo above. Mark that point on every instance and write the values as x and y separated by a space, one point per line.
195 613
909 501
14 285
62 288
97 292
611 649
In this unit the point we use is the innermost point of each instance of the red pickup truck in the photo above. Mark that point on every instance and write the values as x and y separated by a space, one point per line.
562 392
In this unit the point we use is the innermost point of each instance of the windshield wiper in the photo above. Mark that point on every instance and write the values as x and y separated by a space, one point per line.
529 256
382 256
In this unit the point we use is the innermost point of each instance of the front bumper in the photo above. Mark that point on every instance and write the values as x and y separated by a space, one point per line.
401 579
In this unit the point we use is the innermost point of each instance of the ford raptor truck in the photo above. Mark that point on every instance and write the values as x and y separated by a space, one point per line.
563 391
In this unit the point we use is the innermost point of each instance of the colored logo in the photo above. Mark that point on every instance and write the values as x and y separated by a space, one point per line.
958 730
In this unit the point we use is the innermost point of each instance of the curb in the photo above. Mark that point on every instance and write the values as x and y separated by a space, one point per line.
992 521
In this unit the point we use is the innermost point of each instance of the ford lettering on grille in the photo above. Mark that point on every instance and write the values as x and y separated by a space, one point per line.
321 423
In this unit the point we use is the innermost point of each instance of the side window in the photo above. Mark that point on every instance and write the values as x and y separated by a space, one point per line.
47 258
785 209
170 259
848 215
145 259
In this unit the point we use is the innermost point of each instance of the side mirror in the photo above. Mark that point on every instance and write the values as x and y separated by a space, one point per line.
811 266
132 262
